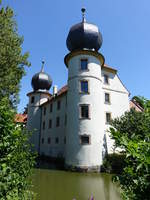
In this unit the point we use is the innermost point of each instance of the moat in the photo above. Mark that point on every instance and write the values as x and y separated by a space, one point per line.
51 184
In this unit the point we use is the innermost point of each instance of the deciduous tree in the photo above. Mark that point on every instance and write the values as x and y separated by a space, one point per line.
16 159
131 133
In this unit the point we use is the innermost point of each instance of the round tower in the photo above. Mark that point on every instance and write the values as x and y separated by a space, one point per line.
85 113
41 83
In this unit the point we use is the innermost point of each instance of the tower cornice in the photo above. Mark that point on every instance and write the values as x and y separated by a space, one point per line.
84 52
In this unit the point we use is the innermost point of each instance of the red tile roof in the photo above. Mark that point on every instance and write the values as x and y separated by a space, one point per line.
136 106
21 118
62 90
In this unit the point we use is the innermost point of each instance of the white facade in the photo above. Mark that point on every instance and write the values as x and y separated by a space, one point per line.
58 122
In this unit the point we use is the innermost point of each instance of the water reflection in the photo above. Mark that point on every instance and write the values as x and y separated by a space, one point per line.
62 185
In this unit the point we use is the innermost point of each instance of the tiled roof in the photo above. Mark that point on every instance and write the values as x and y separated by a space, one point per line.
62 90
136 106
21 118
107 67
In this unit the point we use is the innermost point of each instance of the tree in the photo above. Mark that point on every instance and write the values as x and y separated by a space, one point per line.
16 159
12 61
131 133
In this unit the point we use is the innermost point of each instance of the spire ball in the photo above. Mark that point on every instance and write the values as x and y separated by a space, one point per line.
83 14
83 10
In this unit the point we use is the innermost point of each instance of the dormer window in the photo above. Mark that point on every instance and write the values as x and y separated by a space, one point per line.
106 79
84 64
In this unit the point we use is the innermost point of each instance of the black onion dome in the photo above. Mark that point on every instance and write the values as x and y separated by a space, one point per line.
41 81
84 36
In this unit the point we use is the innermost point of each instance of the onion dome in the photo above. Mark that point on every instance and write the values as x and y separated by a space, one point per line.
41 80
84 36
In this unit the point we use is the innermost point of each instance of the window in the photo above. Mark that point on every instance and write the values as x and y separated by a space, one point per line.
66 100
84 86
108 118
106 79
107 98
65 120
56 140
64 140
42 140
32 99
58 105
84 139
49 140
84 64
44 125
57 121
44 110
84 111
51 107
50 123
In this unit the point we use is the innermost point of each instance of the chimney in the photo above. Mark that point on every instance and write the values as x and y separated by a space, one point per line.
55 90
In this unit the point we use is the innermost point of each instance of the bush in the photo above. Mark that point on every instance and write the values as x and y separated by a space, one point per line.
16 158
114 163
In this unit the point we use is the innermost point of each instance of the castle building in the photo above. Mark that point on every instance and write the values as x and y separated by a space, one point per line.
73 122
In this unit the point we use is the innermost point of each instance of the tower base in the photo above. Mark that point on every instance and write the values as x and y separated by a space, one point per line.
83 168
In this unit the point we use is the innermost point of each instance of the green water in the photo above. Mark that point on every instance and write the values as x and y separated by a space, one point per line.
63 185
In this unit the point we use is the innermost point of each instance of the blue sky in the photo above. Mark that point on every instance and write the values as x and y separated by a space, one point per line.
124 24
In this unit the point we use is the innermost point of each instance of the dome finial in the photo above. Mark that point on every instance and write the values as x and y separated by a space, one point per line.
42 68
83 14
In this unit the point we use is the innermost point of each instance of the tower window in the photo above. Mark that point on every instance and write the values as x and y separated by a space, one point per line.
50 123
108 118
57 121
58 105
106 79
56 140
84 111
84 139
51 107
44 110
107 98
84 64
44 125
32 99
49 140
84 86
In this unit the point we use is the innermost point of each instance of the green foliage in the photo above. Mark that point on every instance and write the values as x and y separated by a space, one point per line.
143 102
114 163
16 159
132 133
12 61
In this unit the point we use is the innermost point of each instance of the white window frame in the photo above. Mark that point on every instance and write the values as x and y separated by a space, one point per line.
89 111
105 98
80 60
84 80
85 135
